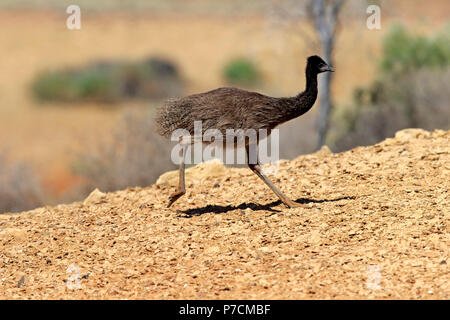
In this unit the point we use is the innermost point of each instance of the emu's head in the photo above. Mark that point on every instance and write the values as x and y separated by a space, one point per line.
316 64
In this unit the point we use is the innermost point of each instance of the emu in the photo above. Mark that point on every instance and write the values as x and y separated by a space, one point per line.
233 108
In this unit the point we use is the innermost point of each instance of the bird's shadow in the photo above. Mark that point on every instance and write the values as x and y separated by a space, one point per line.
267 207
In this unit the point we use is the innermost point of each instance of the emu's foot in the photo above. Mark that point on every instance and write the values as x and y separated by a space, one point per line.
291 204
175 196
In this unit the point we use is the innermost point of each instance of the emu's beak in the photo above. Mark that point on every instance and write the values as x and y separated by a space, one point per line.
327 68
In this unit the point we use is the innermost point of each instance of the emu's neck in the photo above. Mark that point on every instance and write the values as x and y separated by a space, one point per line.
311 82
306 99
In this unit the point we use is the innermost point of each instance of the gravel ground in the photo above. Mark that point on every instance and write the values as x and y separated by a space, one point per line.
374 224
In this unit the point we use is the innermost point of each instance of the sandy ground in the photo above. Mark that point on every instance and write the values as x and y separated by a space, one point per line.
374 224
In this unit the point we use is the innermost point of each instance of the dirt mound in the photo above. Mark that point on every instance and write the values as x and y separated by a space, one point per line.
374 224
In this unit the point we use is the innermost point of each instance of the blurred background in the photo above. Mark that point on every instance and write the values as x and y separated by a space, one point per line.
76 105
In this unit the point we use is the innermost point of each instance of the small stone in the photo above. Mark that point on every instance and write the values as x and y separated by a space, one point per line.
95 197
21 281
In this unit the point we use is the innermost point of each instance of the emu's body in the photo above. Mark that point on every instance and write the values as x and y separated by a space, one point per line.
232 108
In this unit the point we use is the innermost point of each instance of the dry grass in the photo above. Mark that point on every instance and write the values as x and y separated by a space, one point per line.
19 188
131 156
418 100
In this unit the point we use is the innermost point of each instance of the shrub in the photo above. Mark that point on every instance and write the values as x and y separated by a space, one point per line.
19 188
134 156
403 52
241 71
107 82
410 91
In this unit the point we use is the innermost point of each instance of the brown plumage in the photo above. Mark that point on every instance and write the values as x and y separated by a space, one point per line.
233 108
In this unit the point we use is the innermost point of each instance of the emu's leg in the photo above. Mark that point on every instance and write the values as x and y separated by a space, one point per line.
181 189
257 170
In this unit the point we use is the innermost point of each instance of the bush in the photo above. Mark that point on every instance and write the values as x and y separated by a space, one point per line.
19 188
134 156
241 71
107 82
404 53
410 91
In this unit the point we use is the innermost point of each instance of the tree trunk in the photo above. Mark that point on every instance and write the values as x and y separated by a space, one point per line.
325 15
325 103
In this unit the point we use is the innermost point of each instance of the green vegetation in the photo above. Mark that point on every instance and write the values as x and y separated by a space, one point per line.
108 82
241 71
403 52
410 91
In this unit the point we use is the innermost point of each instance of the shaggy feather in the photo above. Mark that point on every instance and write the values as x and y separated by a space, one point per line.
233 108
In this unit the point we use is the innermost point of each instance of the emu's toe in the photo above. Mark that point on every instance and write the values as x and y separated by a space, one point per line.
174 197
292 204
